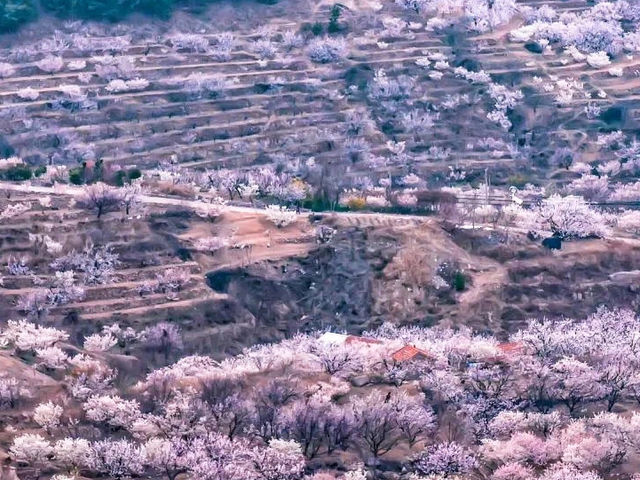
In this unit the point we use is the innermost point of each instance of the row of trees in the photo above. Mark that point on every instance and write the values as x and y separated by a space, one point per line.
540 407
607 27
566 216
476 15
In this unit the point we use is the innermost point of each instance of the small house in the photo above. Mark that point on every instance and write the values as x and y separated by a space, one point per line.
506 350
410 353
330 338
510 348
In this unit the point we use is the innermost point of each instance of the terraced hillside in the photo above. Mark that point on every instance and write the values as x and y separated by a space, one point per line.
158 275
367 240
234 279
206 99
364 104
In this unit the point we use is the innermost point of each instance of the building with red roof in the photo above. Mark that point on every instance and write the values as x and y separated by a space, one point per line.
506 350
510 348
409 352
330 338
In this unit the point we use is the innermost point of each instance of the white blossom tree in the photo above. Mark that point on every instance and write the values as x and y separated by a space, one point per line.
570 216
112 410
72 453
100 198
47 415
32 449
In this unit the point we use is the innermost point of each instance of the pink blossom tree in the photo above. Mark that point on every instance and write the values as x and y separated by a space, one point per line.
281 460
116 458
444 459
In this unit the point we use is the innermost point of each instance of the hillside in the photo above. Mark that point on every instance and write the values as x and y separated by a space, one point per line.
293 240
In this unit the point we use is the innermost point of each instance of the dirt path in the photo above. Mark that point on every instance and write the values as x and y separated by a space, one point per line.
158 306
192 204
491 277
14 368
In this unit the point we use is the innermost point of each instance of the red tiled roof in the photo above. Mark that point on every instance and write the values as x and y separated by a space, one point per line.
511 347
408 352
505 350
354 339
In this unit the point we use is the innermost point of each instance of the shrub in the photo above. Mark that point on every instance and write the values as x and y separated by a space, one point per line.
598 59
76 175
50 64
122 177
199 83
28 93
534 47
613 115
356 203
6 70
118 85
134 173
334 24
177 189
459 281
327 50
119 178
317 29
17 173
265 49
280 215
